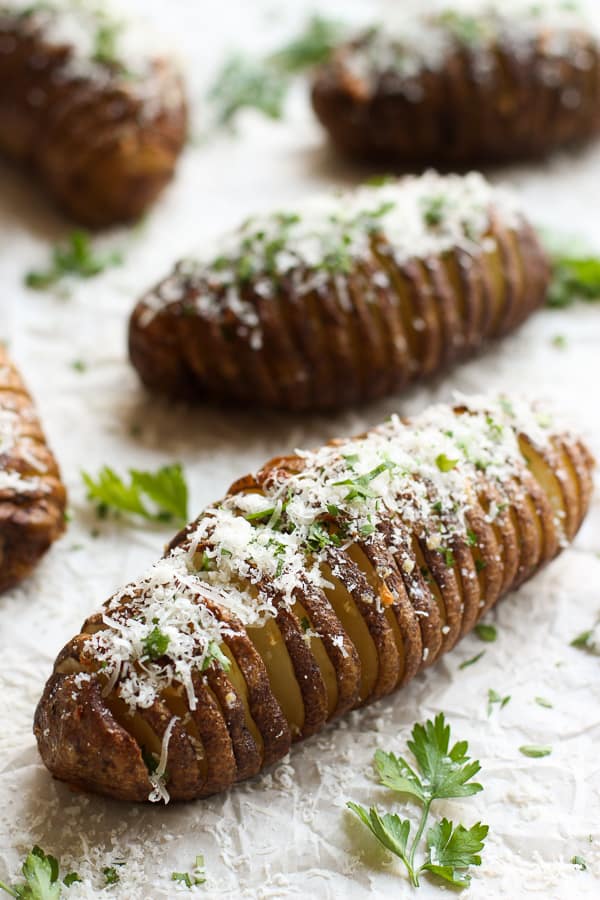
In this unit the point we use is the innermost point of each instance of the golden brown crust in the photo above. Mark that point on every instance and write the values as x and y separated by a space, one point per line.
356 338
392 604
103 148
32 496
464 115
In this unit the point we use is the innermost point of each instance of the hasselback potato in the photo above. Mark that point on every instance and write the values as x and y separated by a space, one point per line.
345 300
324 582
88 108
491 82
32 496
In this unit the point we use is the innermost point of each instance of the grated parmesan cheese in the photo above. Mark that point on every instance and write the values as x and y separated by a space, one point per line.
254 551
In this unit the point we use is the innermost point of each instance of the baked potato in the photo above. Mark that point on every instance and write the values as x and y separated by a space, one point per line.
32 496
322 583
498 83
344 301
84 105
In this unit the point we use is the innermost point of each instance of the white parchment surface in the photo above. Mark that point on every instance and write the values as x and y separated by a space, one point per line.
287 833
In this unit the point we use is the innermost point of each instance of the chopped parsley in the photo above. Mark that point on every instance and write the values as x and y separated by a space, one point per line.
434 210
41 872
587 641
472 661
156 644
111 876
75 258
197 876
541 701
579 862
487 633
263 84
166 489
214 654
441 772
534 751
444 464
495 698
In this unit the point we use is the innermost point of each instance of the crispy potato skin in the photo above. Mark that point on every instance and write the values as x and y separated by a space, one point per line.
320 352
425 606
459 118
101 149
30 520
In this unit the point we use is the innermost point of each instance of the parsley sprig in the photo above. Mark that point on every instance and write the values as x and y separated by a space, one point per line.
41 872
441 772
575 269
166 489
263 84
76 257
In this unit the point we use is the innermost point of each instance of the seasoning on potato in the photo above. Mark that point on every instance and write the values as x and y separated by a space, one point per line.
32 496
322 583
86 106
464 84
345 300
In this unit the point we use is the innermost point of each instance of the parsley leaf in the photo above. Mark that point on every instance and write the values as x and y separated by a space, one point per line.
197 877
389 829
166 488
453 850
494 697
534 751
541 701
580 862
76 257
243 83
442 771
444 464
312 46
472 661
111 876
574 278
216 655
587 641
487 633
41 878
262 84
156 644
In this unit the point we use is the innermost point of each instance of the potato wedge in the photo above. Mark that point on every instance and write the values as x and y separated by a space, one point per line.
98 118
32 496
323 582
441 86
345 301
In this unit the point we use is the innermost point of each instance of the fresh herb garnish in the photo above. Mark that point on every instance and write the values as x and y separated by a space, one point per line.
106 42
156 644
197 877
72 878
263 84
111 876
216 655
76 258
574 278
433 210
40 871
535 751
472 661
487 633
493 698
587 641
580 862
444 464
166 489
541 701
441 772
310 48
